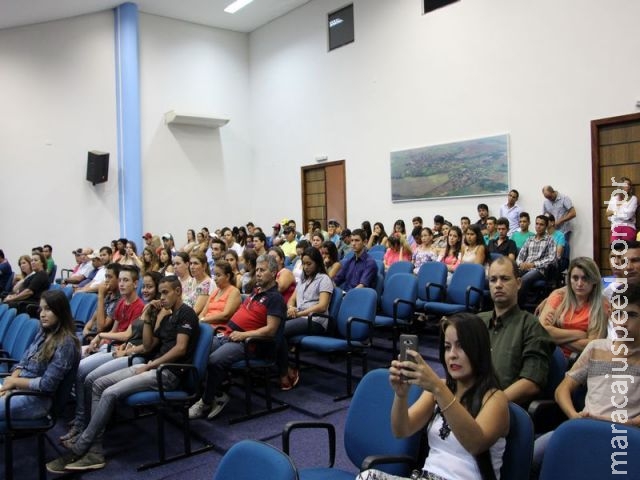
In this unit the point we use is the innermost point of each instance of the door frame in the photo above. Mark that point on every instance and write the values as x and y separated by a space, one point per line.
595 172
304 169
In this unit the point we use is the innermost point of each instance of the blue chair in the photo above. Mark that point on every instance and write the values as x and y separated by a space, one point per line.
584 448
52 274
252 459
75 302
367 433
353 332
18 337
397 305
464 293
260 356
376 254
9 285
545 412
68 291
430 273
398 267
87 308
334 308
378 248
6 317
518 453
162 401
11 429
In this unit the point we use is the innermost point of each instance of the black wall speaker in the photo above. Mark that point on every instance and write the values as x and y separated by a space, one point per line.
97 167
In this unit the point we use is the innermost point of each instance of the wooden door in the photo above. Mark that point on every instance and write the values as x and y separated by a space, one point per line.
324 193
615 150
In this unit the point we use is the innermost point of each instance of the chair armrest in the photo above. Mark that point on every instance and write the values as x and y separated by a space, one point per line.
467 297
267 341
183 368
8 361
546 415
330 326
131 357
398 301
331 435
26 393
439 286
372 460
351 320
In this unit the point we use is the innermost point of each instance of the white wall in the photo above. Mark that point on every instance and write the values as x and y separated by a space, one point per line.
58 88
192 176
540 71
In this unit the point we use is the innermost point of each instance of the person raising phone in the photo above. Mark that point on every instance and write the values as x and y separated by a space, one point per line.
466 415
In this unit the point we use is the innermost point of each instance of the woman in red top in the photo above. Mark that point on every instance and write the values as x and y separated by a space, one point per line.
284 278
577 314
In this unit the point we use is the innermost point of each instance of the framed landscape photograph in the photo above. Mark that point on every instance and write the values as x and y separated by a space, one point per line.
467 168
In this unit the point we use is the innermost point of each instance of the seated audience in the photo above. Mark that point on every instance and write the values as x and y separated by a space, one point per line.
105 256
181 270
108 298
165 262
520 347
130 256
53 353
451 253
466 416
398 250
425 252
225 298
366 227
502 245
329 254
378 236
32 287
150 261
483 214
231 257
312 295
172 339
289 244
609 397
202 244
520 236
198 297
5 273
191 241
535 257
248 283
345 245
258 316
296 263
491 230
359 270
317 239
284 278
579 313
473 248
82 269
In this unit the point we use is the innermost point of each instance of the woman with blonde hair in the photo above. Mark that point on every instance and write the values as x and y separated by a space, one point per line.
577 314
150 262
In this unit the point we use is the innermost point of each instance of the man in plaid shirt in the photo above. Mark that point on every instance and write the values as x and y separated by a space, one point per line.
535 257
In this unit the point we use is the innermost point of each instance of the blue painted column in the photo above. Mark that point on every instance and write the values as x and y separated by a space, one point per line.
128 116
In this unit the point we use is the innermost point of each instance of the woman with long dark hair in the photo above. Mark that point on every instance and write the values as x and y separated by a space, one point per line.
378 236
329 253
54 352
312 295
451 254
466 415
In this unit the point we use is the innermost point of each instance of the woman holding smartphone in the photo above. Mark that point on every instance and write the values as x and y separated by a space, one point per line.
466 415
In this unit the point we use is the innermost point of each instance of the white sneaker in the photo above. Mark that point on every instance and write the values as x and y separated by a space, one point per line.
199 409
218 405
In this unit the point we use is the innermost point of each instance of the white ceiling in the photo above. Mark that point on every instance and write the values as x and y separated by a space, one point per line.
15 13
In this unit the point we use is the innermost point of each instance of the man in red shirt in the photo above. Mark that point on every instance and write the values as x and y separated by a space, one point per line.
259 316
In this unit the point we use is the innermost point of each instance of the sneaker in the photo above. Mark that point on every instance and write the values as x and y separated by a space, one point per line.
59 465
199 410
219 403
89 461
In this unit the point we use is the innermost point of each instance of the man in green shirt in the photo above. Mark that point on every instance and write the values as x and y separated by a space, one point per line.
521 235
520 347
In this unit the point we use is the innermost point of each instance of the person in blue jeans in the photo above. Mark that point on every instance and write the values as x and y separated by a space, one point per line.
55 351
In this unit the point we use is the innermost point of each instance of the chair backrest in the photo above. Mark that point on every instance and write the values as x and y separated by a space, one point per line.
361 303
378 248
518 453
26 335
252 459
55 286
200 357
68 291
75 302
557 369
5 322
584 448
367 429
465 275
13 331
380 265
87 307
376 254
432 272
494 256
403 286
398 267
334 309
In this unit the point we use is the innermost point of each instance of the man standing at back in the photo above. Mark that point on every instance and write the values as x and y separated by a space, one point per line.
562 209
359 270
511 211
520 347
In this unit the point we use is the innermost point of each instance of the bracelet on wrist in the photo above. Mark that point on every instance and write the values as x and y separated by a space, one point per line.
442 410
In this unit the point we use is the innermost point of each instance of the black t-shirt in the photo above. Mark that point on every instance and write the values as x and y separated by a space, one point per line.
37 283
183 320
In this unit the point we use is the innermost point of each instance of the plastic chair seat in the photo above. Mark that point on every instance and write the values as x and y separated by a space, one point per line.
385 321
329 344
444 308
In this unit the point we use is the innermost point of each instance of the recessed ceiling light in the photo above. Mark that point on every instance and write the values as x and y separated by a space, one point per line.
237 5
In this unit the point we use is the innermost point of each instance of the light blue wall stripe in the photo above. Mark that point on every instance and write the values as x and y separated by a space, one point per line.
128 115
